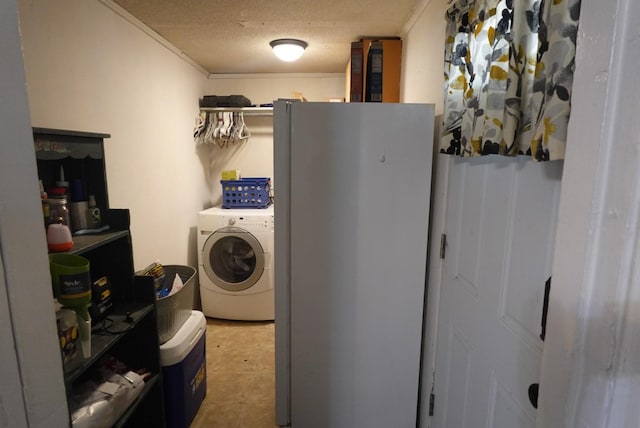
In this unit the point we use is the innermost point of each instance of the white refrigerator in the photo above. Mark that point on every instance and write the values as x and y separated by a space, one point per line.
352 192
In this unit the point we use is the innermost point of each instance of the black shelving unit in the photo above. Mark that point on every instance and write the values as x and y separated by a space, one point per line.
129 329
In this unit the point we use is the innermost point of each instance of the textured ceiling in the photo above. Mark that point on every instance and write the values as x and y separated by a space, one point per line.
232 36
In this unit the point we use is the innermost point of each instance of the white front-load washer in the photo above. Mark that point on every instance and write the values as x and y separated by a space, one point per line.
235 263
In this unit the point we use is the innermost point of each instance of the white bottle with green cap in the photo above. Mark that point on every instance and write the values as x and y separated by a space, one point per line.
94 218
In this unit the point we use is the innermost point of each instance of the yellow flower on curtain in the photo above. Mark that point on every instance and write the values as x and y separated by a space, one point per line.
491 35
476 143
498 73
459 83
508 76
549 129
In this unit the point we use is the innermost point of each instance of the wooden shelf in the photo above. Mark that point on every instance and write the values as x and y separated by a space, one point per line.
69 135
128 329
102 339
85 243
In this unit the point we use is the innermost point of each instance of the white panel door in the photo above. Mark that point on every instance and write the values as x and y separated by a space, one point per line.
500 224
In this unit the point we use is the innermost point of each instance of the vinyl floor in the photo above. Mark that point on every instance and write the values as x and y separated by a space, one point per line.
240 359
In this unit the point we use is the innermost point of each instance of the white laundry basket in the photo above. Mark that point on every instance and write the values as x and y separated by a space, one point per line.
173 310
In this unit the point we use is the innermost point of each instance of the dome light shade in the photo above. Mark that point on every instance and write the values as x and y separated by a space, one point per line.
288 49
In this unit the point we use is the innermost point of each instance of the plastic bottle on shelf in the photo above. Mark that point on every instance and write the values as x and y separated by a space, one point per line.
94 217
62 183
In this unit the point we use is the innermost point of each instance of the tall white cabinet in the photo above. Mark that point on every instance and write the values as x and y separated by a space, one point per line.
351 210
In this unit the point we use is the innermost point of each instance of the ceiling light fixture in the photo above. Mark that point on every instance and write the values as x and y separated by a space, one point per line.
288 49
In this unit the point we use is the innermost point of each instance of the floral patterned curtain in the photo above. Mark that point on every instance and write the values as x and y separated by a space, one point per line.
508 75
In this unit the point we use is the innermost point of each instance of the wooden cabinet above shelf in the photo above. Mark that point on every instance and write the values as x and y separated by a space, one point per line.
358 70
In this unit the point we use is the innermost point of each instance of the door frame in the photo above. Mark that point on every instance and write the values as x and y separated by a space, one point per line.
34 392
587 364
439 188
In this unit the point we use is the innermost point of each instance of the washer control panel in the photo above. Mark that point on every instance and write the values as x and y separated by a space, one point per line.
265 223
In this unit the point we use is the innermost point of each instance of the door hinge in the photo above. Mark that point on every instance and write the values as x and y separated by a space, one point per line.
432 399
443 245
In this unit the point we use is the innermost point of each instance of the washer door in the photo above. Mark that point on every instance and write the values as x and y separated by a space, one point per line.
233 259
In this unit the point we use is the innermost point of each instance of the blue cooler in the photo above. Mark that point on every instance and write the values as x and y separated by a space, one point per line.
184 371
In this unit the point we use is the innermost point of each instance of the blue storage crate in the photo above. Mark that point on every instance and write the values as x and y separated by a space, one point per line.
246 193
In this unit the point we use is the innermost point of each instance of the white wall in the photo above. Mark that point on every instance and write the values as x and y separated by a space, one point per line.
254 158
423 55
88 69
264 88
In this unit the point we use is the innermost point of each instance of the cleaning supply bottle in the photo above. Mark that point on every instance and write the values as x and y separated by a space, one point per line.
84 327
62 183
94 218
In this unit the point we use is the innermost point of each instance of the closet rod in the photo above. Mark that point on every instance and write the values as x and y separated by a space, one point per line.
248 111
